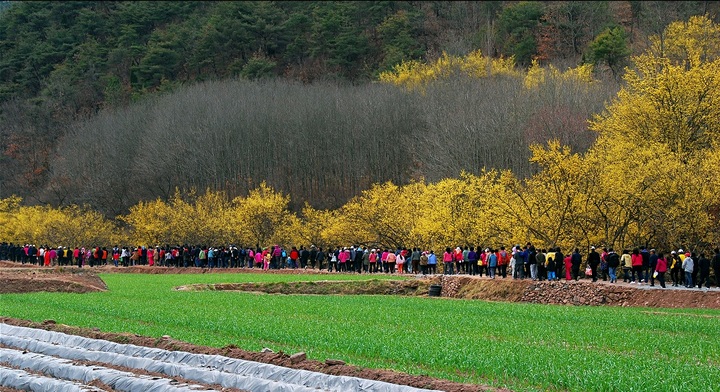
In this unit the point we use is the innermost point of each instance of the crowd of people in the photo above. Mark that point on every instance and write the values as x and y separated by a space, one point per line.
637 266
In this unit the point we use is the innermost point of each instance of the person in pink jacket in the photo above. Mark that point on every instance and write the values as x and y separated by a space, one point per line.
392 257
342 259
568 267
637 265
661 268
448 260
258 259
266 259
50 257
372 259
383 260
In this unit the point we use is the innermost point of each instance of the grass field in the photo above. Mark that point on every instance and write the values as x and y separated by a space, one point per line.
521 346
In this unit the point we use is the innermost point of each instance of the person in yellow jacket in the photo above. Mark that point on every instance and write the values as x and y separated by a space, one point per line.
550 254
675 267
626 264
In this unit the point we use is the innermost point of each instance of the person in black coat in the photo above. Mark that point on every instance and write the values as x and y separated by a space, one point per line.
320 257
653 265
594 261
613 261
575 261
313 256
559 257
551 268
358 260
304 257
704 271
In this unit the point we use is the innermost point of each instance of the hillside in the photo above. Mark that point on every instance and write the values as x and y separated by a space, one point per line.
72 65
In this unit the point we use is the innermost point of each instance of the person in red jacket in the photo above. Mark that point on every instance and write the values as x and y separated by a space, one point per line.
661 268
448 260
568 267
46 258
94 256
294 255
458 257
151 256
503 259
76 257
637 265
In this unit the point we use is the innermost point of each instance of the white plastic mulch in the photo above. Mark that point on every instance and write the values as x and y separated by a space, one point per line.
40 360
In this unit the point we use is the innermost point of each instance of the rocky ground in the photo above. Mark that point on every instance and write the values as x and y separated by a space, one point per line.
15 278
583 292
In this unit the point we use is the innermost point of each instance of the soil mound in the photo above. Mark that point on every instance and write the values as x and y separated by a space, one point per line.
587 293
508 290
583 292
28 280
340 287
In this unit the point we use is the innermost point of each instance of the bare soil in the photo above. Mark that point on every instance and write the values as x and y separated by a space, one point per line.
17 279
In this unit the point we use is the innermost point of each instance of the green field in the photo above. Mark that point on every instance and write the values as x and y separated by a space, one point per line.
521 346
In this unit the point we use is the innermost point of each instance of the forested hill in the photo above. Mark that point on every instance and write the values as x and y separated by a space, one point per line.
105 52
63 62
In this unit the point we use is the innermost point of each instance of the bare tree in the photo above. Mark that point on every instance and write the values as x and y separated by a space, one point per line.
322 143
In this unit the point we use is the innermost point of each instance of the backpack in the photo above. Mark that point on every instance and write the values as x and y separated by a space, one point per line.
613 260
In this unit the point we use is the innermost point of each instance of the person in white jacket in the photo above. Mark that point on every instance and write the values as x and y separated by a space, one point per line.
687 265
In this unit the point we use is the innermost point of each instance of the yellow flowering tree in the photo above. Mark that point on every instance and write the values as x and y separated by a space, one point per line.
312 227
262 217
211 219
190 218
149 222
416 75
461 212
183 226
673 96
76 226
538 75
658 135
546 208
8 218
383 215
45 225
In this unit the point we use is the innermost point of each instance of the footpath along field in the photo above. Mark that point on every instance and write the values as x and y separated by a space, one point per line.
524 347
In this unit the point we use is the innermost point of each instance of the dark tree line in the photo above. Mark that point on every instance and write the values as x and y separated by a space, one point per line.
322 143
86 55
